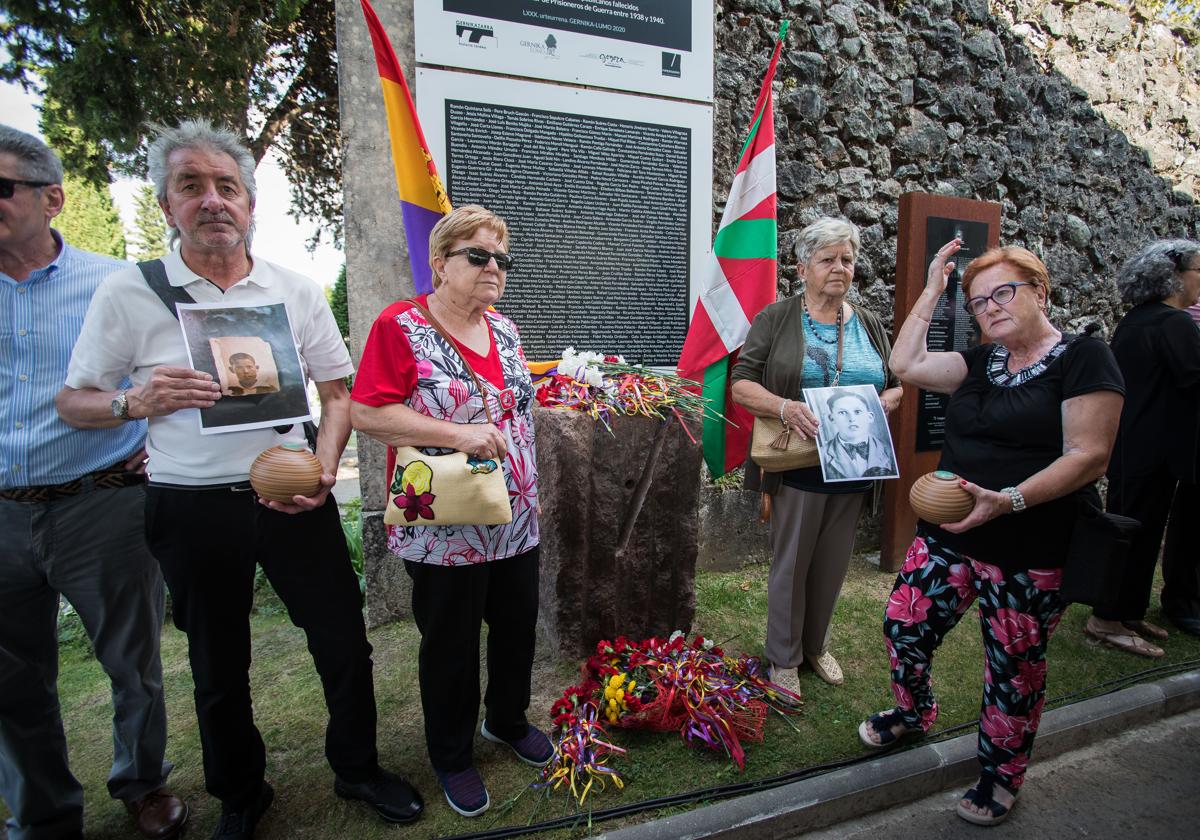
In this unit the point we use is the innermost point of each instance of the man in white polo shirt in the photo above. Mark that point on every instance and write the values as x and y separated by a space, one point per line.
204 179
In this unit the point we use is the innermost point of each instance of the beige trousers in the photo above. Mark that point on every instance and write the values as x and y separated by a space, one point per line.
812 537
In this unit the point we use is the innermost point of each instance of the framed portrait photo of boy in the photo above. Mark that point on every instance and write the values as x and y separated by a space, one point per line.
853 439
250 351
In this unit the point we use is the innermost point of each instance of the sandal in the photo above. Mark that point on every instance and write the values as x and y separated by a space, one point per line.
1145 628
1130 642
882 725
981 796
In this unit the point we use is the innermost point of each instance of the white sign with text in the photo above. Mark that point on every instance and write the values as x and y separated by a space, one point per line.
660 47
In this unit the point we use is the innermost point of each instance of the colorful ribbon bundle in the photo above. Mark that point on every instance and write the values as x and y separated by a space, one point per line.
605 387
581 749
712 700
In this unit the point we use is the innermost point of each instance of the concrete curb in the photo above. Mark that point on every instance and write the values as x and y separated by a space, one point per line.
913 774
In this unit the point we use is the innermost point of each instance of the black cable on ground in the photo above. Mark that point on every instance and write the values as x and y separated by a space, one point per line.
719 792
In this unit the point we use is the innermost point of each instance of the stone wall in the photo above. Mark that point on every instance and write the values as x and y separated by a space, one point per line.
1141 75
953 97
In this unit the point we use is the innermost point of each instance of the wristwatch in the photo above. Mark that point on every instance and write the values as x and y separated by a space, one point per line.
1018 500
120 406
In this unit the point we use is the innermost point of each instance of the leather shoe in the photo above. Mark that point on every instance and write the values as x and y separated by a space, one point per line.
159 815
394 799
1187 623
239 825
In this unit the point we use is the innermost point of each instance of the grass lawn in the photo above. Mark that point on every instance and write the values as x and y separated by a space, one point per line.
731 607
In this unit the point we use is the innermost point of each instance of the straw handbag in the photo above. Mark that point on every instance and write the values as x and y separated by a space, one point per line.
454 489
777 449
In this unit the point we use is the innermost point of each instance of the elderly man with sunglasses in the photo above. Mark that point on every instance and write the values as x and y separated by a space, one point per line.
71 521
204 179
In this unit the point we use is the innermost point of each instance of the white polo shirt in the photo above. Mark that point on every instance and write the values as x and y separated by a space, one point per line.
129 331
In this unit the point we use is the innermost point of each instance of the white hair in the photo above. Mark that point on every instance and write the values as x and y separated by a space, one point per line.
824 232
198 134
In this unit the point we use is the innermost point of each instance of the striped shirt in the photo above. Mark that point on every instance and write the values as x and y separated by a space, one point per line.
40 318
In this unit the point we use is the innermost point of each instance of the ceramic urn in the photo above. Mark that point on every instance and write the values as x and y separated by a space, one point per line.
284 471
938 498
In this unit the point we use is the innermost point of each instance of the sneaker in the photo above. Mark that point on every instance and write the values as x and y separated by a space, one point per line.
533 747
394 799
827 668
465 791
239 825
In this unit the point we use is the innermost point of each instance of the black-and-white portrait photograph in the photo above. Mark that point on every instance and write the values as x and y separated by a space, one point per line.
246 365
853 438
250 351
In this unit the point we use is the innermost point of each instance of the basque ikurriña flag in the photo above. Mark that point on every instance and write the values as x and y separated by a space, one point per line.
739 282
423 199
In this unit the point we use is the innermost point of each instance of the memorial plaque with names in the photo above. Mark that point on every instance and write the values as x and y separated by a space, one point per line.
951 328
598 214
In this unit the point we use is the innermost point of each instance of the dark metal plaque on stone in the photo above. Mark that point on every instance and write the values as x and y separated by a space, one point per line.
951 328
597 210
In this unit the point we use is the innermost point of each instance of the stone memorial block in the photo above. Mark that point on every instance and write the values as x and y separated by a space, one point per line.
619 528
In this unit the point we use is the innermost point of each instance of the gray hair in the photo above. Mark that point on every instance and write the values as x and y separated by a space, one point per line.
1152 274
825 232
38 161
197 134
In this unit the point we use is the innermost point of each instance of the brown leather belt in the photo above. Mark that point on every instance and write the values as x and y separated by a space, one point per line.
109 479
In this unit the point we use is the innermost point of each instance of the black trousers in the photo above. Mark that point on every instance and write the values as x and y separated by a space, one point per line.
449 604
1146 498
208 543
1181 555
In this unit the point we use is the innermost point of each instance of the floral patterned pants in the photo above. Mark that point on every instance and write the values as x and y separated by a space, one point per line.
1018 612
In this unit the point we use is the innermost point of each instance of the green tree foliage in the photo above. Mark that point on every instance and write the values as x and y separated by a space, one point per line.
105 70
339 303
1181 13
150 228
89 219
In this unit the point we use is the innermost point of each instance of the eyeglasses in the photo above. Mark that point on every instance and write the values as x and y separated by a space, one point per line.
8 185
1002 295
478 257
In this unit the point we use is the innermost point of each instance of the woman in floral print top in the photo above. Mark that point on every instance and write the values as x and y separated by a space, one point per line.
413 389
1029 427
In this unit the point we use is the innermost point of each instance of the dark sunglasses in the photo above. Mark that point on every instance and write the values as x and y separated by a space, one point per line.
1002 295
8 185
479 258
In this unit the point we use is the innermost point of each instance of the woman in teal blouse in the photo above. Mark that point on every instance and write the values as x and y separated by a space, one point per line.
792 345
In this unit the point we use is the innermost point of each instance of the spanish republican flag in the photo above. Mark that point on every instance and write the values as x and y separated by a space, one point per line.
423 199
739 282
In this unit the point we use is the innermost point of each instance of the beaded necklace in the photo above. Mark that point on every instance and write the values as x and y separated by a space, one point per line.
808 319
838 341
